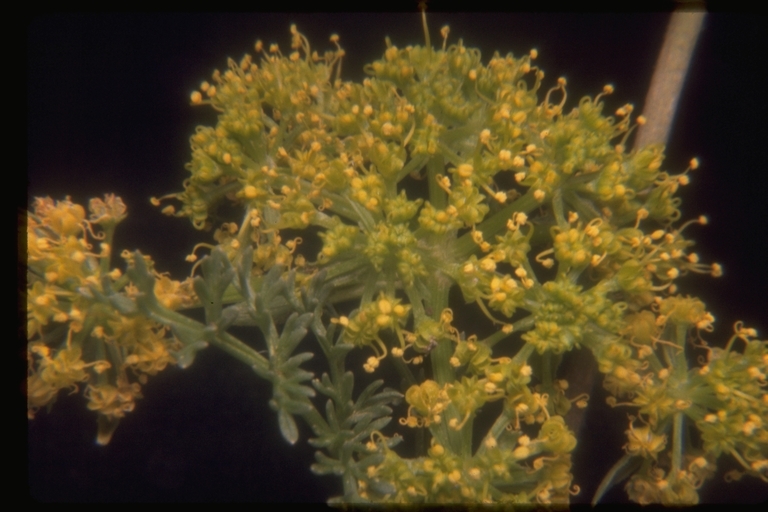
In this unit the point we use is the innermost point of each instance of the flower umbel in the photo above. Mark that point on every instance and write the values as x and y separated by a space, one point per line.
358 211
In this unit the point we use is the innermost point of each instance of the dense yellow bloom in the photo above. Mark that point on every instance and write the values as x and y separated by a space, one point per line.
437 171
72 338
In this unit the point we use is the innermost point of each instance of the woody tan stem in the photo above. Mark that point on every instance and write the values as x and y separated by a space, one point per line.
668 77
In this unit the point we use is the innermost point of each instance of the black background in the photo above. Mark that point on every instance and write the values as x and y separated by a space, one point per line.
108 111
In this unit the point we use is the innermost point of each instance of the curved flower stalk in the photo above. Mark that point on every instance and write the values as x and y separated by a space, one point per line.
437 172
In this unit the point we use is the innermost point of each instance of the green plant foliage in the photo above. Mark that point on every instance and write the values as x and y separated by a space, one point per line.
540 216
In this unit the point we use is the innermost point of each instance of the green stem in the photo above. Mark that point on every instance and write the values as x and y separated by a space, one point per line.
414 164
558 210
361 214
496 429
677 443
336 270
521 325
522 356
437 196
340 205
608 480
440 432
441 355
496 337
417 306
466 438
243 352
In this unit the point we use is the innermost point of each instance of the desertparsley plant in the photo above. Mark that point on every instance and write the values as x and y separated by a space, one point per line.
538 214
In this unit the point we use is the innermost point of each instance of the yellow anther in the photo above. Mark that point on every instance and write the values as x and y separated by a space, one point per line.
519 117
591 231
488 264
521 452
464 170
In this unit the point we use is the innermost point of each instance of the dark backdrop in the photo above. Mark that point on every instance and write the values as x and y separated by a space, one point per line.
108 111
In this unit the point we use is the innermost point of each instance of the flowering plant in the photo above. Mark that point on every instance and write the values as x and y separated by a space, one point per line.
438 172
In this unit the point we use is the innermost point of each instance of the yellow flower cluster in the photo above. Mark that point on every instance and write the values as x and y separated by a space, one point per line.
540 468
435 172
74 337
505 171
